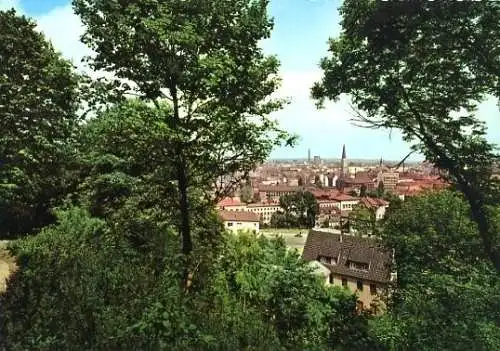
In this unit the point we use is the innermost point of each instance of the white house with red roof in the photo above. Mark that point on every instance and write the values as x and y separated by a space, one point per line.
240 221
377 205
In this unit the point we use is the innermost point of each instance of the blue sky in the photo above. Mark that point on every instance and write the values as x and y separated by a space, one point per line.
302 28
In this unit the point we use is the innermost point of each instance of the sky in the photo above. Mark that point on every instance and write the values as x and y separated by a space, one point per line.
299 39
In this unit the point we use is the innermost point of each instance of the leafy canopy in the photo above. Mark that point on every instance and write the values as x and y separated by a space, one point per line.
422 68
38 99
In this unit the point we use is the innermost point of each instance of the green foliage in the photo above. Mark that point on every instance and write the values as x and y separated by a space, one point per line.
299 210
82 286
246 194
423 68
38 101
362 220
380 189
205 59
363 191
447 291
77 286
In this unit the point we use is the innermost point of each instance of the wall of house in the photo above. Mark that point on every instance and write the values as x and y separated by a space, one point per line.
265 212
235 226
365 295
380 212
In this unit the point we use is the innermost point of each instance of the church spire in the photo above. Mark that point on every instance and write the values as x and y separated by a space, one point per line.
343 152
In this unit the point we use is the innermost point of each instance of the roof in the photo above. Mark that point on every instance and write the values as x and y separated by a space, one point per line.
346 248
273 204
228 201
343 197
373 202
280 188
239 216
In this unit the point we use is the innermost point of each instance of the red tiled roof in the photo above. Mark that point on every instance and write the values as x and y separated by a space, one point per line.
373 202
228 201
240 216
343 197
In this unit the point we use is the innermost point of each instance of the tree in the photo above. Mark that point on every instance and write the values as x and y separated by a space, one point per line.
256 198
380 189
362 220
422 68
300 181
246 193
317 181
363 190
204 59
257 294
38 102
300 206
439 256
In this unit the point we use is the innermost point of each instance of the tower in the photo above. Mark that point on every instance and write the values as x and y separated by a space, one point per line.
308 155
343 163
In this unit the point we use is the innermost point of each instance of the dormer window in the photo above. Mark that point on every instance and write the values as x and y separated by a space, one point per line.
328 260
358 266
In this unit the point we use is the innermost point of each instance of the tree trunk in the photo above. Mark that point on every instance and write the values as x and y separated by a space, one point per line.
185 228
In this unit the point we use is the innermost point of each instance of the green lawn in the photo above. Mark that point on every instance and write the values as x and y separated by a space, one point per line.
289 235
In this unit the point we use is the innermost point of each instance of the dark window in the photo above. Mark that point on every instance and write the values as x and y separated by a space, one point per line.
331 279
344 282
230 224
373 289
359 285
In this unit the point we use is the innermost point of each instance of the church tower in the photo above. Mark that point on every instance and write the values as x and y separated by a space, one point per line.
343 163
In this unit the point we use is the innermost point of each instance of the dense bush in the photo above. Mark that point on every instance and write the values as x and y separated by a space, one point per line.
83 284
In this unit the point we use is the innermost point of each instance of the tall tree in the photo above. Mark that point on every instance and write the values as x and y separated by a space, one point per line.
363 190
202 57
38 103
380 189
246 193
446 295
422 67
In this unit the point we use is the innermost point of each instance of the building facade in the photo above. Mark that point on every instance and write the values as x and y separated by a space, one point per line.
358 264
236 221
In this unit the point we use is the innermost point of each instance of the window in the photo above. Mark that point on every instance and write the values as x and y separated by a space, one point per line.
358 266
230 224
359 285
344 282
373 289
239 223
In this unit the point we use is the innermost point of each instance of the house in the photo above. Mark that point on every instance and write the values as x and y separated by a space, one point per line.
231 204
359 264
240 220
379 206
274 192
265 211
345 202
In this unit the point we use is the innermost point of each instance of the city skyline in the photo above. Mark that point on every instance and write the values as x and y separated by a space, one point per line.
299 39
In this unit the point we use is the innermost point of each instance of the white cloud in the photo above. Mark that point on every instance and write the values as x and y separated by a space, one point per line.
64 29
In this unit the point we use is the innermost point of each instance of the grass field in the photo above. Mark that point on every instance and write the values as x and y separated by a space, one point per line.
289 235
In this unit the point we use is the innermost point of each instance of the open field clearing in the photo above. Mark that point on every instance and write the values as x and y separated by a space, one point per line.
289 235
